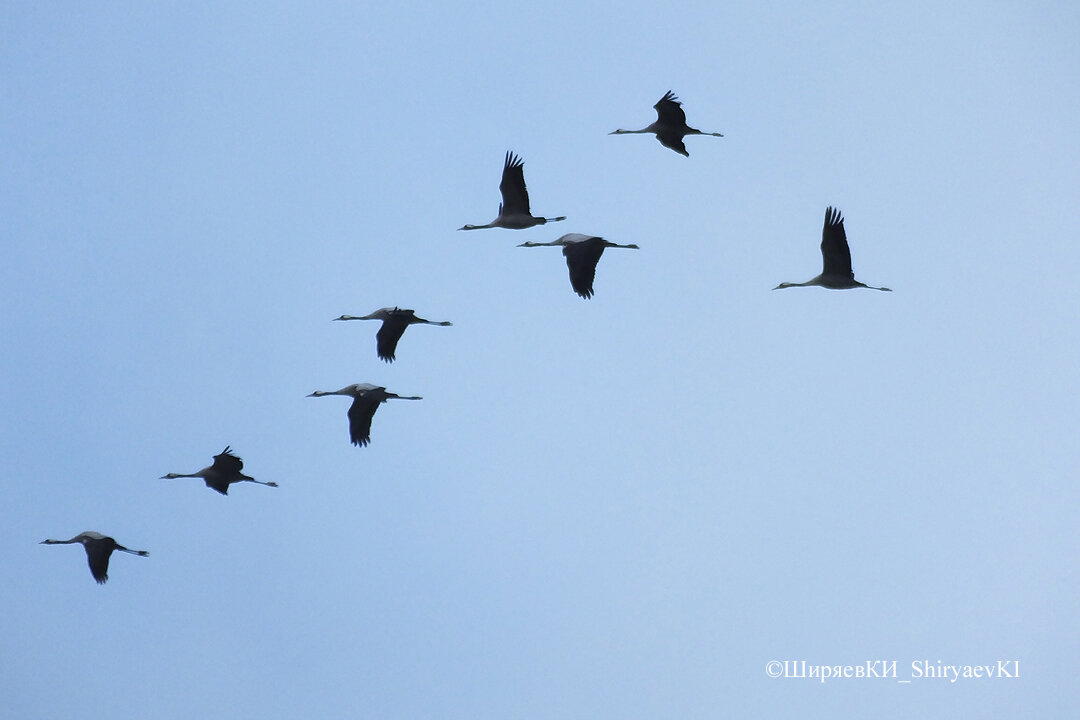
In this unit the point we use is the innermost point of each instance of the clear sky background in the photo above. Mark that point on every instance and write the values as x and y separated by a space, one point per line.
616 508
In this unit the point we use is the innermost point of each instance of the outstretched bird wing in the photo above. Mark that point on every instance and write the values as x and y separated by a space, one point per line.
669 110
360 413
581 259
227 463
515 196
673 140
216 482
97 556
835 254
387 338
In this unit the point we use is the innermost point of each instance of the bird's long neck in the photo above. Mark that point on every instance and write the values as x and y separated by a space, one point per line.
476 227
631 246
172 476
392 396
141 553
620 131
554 219
59 542
783 285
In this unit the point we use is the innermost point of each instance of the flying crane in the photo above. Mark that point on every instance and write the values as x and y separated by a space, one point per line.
98 550
836 273
224 471
514 213
394 322
582 253
366 400
670 127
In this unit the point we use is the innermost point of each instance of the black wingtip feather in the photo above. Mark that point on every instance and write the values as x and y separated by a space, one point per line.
512 160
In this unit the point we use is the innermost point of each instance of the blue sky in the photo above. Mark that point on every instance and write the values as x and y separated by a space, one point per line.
614 508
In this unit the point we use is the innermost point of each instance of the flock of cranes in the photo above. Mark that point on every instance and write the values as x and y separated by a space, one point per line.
582 253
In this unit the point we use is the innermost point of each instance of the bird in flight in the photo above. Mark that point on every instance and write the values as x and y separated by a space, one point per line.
670 127
98 549
394 322
514 213
222 473
836 273
366 400
582 253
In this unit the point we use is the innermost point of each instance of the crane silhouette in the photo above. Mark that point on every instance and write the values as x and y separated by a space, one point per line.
582 253
670 127
514 213
98 549
366 400
222 473
836 273
394 322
